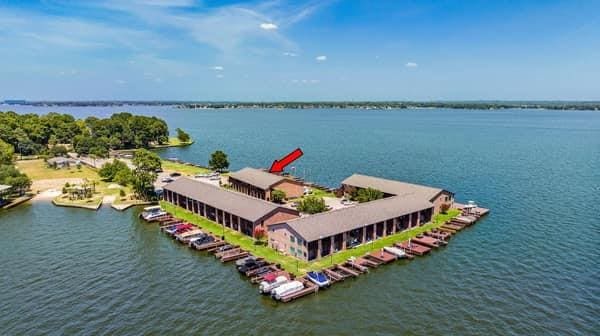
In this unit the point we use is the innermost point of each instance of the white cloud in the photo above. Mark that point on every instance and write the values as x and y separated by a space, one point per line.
268 26
218 68
120 81
411 65
290 54
321 58
219 76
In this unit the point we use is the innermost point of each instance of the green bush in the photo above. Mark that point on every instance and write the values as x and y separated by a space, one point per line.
312 204
367 195
278 196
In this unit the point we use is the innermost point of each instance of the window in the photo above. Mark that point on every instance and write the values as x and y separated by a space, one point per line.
299 241
292 251
292 239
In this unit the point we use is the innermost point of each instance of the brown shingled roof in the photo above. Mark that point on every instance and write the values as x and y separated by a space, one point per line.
257 177
392 187
233 202
345 219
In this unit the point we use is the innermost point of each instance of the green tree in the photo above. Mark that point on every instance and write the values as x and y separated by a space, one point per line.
6 152
367 195
58 150
218 161
278 196
146 164
146 160
312 204
11 176
123 176
182 136
110 170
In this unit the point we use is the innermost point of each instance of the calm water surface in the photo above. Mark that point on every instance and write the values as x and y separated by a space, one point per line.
531 267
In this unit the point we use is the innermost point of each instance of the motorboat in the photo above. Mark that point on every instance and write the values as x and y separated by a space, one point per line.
186 234
152 213
251 265
287 289
196 238
395 251
243 261
270 282
318 278
173 229
202 241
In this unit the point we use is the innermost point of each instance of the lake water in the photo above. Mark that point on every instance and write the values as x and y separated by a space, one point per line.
531 267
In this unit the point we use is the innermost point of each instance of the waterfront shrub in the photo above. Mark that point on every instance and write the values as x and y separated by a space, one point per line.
122 193
182 136
312 204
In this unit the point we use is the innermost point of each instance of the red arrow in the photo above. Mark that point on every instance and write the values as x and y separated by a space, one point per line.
279 165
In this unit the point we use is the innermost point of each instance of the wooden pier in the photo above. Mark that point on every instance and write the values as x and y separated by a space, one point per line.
383 257
207 246
234 256
358 267
426 241
418 246
309 288
346 271
414 249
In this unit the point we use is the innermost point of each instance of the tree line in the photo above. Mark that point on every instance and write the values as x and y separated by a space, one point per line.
32 134
9 174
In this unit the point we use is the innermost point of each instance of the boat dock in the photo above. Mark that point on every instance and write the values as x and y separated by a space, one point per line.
382 257
420 245
426 241
309 288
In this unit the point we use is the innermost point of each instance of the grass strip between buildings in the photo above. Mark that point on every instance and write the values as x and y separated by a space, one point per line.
292 264
170 166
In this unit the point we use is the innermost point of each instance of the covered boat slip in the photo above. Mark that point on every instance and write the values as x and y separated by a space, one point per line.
232 209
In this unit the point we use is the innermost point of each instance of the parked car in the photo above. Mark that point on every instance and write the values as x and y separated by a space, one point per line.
167 180
175 174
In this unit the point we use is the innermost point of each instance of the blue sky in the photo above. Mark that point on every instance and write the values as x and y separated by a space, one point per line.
300 50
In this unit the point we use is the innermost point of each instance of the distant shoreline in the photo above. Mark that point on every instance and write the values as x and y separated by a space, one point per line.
367 105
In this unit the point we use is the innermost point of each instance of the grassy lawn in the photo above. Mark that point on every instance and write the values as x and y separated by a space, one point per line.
37 170
322 193
170 166
292 264
64 200
315 192
174 142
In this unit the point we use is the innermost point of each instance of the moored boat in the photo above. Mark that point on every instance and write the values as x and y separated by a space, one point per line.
395 251
270 282
319 278
152 213
287 289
